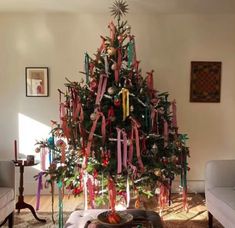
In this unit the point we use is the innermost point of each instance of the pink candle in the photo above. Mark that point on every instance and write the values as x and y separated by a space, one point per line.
15 143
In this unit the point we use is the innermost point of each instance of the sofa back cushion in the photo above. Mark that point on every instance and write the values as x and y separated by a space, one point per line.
220 173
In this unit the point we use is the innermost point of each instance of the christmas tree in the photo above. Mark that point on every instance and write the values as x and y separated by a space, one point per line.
116 134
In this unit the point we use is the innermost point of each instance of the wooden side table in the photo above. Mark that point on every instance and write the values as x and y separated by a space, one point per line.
21 204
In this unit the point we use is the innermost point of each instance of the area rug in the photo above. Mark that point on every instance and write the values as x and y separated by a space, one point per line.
173 217
26 219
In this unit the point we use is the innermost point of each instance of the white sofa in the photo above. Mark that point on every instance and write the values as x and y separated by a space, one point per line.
220 192
7 192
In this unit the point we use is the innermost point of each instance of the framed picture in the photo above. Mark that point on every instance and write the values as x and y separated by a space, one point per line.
205 81
37 81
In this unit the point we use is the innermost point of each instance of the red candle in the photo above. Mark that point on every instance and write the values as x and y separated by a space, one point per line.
15 142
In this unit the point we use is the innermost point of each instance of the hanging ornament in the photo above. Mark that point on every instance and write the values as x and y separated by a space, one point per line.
93 116
131 108
60 143
137 203
114 66
128 29
158 172
120 38
113 118
111 90
37 149
117 101
93 85
107 42
111 51
154 149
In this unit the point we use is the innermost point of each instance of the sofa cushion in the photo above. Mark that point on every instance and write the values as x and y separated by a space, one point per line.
6 195
7 203
221 203
225 194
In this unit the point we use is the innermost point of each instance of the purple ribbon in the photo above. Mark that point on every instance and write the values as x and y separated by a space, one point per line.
40 187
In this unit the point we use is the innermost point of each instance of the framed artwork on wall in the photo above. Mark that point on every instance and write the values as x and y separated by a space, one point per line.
37 81
205 82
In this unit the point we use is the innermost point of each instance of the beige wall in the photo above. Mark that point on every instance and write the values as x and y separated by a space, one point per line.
166 43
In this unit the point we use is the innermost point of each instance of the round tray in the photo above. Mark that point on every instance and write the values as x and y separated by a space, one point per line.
125 219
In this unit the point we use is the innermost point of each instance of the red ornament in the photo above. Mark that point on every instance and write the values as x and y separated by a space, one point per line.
117 101
93 84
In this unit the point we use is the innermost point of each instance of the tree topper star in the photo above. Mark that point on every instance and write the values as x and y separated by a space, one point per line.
119 8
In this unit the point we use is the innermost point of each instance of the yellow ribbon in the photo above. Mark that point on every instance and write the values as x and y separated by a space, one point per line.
125 103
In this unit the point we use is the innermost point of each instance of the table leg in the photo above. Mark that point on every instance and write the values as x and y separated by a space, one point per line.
23 205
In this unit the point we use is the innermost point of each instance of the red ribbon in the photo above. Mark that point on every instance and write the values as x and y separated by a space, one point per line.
102 46
163 196
149 80
154 118
174 120
78 110
63 119
119 64
103 131
90 187
112 193
165 133
112 30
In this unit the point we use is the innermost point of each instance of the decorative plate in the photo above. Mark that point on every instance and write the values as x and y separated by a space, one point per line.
125 219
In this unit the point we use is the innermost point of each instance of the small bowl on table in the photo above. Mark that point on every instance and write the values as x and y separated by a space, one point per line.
125 219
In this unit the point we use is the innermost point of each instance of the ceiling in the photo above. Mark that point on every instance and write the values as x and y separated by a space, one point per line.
136 6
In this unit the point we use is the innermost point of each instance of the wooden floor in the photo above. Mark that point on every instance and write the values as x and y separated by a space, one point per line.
69 203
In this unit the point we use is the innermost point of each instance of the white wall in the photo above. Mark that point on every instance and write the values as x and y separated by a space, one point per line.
166 43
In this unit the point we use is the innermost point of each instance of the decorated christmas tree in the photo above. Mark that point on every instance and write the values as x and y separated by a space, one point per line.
116 135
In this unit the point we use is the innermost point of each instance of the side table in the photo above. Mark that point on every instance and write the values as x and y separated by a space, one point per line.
21 204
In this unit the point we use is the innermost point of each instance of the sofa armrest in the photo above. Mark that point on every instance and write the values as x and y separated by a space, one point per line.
220 173
7 174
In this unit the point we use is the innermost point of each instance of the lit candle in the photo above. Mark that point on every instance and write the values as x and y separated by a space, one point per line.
15 143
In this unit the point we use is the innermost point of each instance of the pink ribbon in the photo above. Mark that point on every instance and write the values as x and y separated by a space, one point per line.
103 131
101 88
130 153
135 127
165 133
124 148
174 120
43 158
119 150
